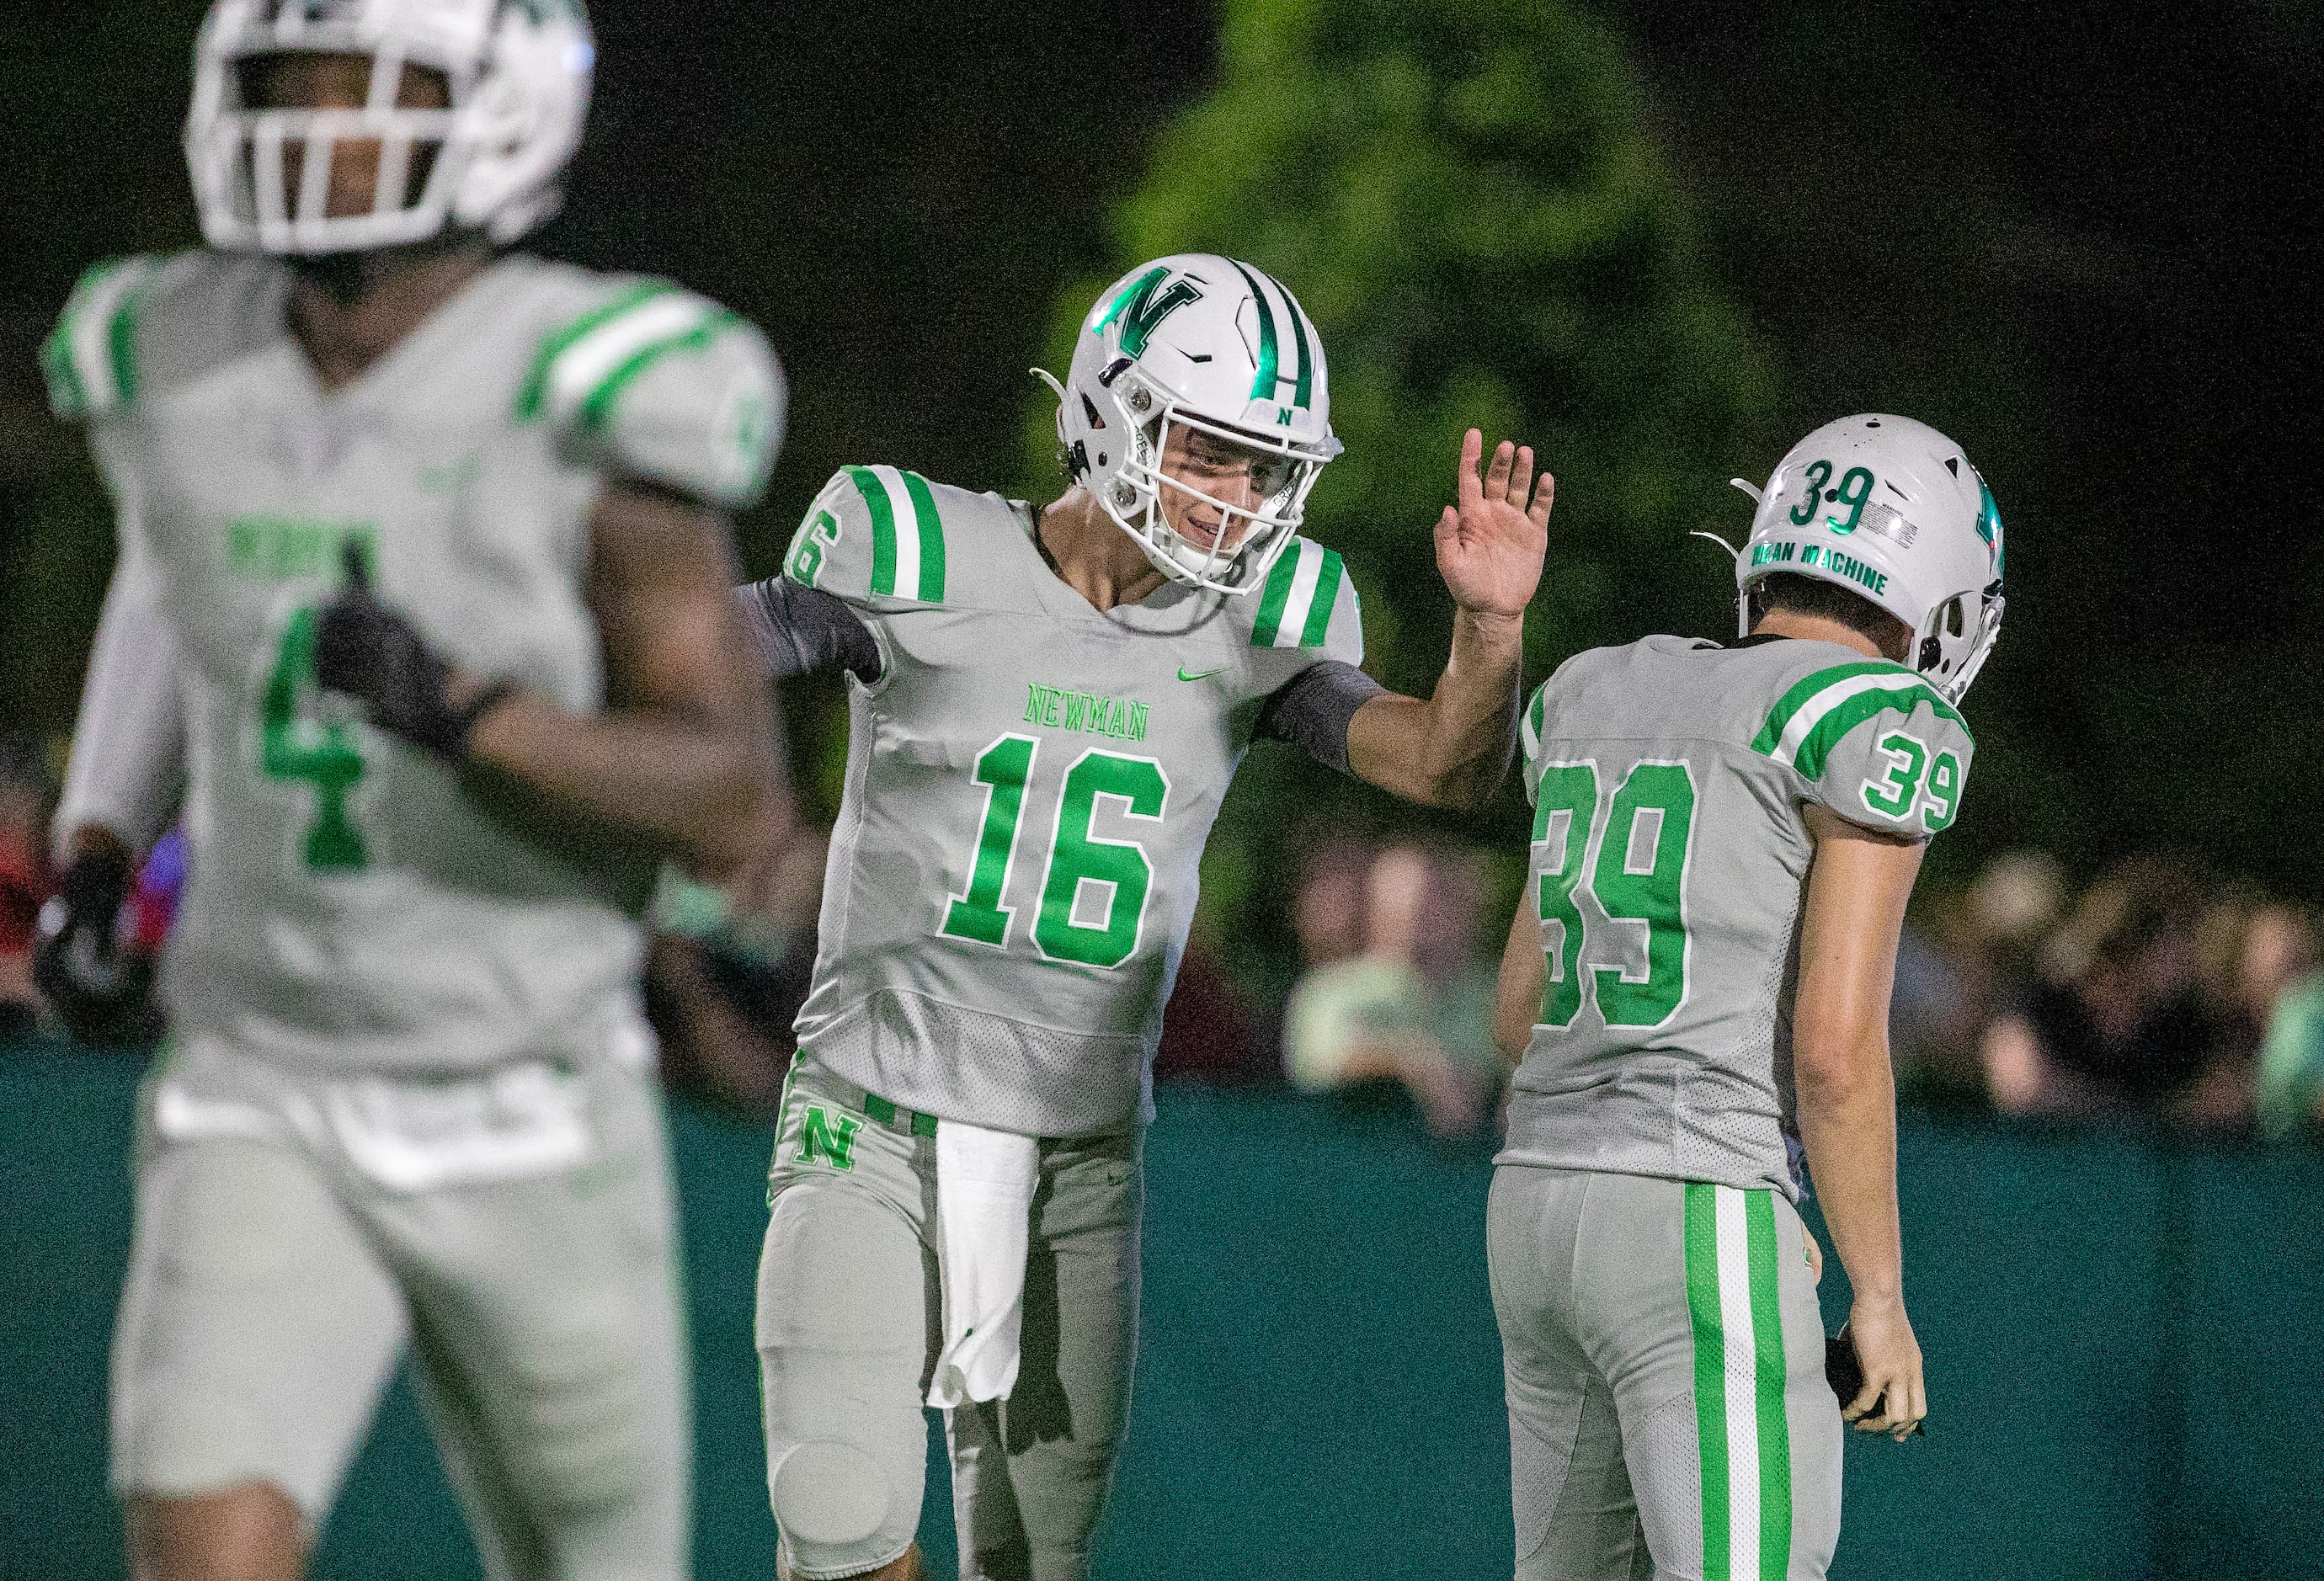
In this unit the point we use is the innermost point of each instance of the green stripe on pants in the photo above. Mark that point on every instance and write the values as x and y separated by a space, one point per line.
1732 1298
1710 1370
1769 1377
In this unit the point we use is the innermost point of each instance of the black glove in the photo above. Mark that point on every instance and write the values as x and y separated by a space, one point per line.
101 989
373 655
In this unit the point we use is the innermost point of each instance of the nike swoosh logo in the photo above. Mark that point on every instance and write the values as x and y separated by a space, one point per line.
1198 674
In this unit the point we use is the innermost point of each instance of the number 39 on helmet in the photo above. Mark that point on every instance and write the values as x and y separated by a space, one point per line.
1196 341
518 74
1892 510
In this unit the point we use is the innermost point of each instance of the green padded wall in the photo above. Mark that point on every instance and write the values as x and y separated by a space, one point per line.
2121 1341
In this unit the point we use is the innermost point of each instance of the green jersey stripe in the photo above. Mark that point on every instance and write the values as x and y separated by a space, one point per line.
1287 613
883 528
533 394
1769 1376
1323 601
67 397
932 542
598 404
1263 382
1817 728
1709 1371
1275 596
1807 686
89 358
1797 711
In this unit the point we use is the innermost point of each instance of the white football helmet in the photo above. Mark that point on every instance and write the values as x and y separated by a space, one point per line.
1892 510
1198 342
519 73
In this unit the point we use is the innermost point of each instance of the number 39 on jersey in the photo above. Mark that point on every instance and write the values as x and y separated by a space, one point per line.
1621 850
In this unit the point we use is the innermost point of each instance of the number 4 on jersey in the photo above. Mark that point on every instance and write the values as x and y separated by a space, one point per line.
1641 835
301 749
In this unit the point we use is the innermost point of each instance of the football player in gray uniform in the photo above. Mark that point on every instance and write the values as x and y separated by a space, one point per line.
425 579
1048 703
1724 840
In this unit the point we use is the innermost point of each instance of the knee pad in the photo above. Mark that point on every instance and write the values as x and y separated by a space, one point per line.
836 1508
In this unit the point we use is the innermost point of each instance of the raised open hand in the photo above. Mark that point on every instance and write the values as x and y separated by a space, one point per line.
1489 546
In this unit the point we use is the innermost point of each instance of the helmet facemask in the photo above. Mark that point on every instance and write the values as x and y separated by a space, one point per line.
274 165
1954 642
484 160
1250 535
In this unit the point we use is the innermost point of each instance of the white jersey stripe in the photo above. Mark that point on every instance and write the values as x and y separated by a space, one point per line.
1741 1377
1811 712
907 517
1302 594
588 362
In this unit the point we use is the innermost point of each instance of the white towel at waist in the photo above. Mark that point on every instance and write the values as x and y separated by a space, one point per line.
984 1225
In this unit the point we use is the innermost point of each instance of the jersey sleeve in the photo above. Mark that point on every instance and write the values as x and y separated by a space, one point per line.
89 359
655 383
1309 602
873 539
129 745
1875 743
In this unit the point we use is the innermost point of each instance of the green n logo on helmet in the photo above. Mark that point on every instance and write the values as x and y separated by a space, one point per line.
1141 310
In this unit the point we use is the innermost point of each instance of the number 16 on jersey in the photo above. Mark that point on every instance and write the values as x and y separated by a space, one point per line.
1083 867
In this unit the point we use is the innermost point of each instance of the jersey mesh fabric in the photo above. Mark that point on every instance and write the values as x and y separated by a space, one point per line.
1690 1077
1029 786
350 905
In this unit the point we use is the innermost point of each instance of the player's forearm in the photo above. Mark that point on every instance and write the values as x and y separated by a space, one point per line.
129 745
1453 749
693 790
1848 1123
1516 996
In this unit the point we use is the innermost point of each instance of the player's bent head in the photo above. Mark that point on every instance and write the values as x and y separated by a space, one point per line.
1880 523
326 127
1828 601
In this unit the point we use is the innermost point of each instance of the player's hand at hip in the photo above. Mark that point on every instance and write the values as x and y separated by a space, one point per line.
1892 1399
373 654
1489 546
97 982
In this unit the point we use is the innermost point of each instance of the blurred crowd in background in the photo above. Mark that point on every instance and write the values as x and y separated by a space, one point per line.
2154 989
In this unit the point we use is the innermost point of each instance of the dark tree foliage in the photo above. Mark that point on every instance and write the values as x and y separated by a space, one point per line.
1472 203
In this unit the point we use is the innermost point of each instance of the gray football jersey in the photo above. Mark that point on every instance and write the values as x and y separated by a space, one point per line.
1029 784
1670 859
348 902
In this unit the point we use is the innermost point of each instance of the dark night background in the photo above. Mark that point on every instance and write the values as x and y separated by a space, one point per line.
2078 237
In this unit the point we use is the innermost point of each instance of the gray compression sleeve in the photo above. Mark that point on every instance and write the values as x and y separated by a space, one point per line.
794 629
129 742
1311 710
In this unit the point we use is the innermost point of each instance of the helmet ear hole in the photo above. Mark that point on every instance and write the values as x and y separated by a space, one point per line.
1931 652
1954 623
